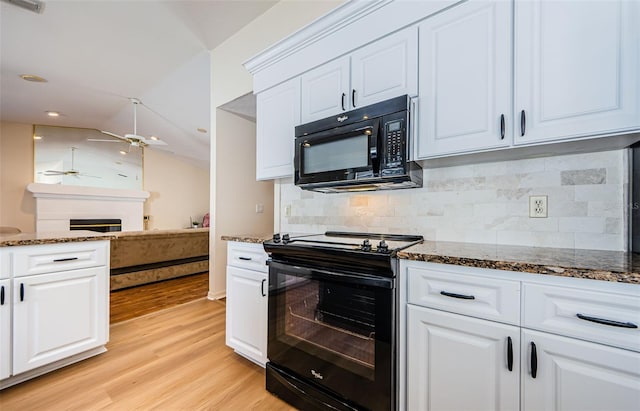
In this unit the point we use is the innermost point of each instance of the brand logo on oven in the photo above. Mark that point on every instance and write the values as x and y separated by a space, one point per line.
316 375
342 118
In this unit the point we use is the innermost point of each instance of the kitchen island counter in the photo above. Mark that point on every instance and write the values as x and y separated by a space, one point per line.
10 240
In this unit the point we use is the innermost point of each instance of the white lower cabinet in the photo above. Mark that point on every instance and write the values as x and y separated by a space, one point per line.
247 288
5 329
461 363
58 315
576 347
55 307
575 375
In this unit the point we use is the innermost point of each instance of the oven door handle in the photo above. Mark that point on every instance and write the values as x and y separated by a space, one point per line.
345 278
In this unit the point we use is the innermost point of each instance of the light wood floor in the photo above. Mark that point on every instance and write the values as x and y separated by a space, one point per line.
136 301
174 359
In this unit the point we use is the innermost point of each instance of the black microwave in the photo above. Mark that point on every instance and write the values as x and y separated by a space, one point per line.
360 150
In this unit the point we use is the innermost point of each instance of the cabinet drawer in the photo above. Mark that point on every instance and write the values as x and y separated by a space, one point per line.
247 255
607 318
39 259
481 297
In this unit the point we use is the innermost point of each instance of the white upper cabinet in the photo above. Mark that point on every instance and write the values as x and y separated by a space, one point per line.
465 79
325 90
385 69
577 68
381 70
278 112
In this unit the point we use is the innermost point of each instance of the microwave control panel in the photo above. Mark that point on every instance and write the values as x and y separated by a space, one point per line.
394 143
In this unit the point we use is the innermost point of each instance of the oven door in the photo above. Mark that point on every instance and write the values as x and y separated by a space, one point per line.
335 330
339 154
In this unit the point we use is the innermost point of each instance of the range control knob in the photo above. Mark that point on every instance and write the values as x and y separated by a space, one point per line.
383 247
285 238
276 238
365 246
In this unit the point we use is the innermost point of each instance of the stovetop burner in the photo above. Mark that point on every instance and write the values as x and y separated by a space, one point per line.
350 241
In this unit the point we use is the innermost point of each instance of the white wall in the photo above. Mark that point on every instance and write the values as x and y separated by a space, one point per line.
486 203
179 191
229 80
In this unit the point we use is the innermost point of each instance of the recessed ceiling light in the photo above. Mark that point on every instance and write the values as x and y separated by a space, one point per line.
37 137
124 153
154 138
33 78
202 130
52 113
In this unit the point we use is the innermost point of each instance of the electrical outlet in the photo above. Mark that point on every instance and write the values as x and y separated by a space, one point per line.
259 208
538 207
287 211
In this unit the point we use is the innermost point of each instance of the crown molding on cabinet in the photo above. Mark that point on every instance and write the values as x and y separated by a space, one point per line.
331 22
341 31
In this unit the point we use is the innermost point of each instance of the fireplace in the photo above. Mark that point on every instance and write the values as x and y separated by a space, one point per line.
101 225
57 205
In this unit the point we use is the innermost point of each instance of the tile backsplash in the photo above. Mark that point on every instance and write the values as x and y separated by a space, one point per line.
486 203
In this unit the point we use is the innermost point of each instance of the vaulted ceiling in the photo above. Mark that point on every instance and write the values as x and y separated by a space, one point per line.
95 54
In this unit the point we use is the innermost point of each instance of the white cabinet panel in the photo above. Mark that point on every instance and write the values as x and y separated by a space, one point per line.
465 79
246 329
5 328
556 310
438 286
247 255
58 315
49 258
385 69
325 90
460 363
278 112
573 375
382 70
576 68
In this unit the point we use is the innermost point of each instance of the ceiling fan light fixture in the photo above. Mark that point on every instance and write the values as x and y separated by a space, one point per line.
31 5
33 78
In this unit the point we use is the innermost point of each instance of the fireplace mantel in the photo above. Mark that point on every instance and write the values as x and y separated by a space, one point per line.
56 204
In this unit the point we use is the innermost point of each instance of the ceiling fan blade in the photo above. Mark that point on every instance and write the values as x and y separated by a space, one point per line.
105 141
151 142
113 135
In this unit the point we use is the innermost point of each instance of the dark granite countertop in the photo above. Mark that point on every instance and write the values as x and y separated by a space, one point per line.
9 240
248 238
591 264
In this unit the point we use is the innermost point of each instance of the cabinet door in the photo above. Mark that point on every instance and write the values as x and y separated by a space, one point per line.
460 363
325 90
278 112
58 315
247 313
5 328
465 79
385 69
576 68
574 375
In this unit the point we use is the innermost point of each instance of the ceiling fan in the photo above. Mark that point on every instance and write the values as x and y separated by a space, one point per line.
134 140
71 172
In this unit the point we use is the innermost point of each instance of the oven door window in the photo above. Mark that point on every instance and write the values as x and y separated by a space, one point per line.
334 332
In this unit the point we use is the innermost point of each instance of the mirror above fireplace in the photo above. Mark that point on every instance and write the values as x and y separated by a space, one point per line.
72 156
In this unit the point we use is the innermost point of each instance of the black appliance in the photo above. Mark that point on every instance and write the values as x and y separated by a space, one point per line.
360 150
332 318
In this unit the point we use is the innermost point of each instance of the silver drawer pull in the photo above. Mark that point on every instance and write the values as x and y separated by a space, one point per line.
604 321
245 258
59 260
